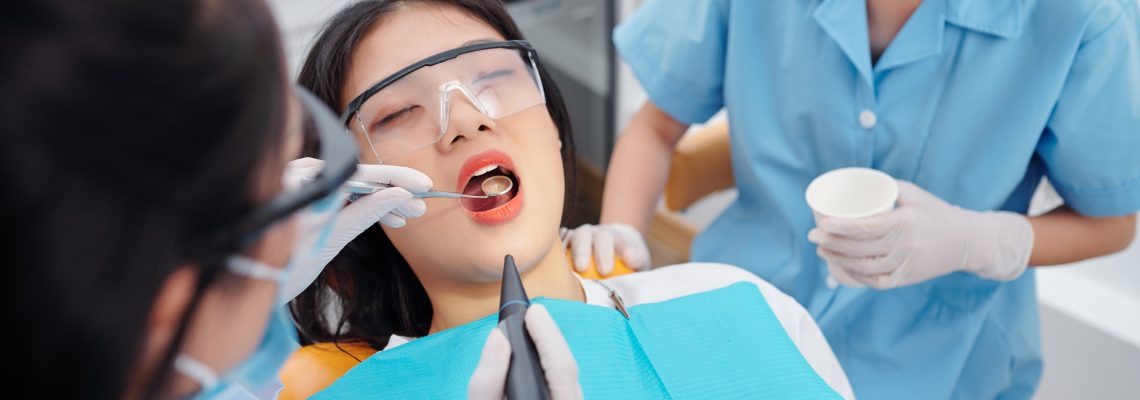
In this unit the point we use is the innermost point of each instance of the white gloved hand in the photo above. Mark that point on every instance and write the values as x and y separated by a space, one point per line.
923 238
490 377
601 242
389 207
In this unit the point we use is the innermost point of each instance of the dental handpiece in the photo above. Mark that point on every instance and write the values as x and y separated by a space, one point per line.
525 379
491 187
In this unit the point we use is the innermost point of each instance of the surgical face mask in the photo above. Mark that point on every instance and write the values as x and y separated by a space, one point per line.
315 226
314 206
411 109
258 372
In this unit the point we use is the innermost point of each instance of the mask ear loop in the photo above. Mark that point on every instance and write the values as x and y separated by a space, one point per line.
445 107
197 371
251 268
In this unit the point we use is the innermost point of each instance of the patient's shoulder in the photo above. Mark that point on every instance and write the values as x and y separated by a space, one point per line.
665 283
314 367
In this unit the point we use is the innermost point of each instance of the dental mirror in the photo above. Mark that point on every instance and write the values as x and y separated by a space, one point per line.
492 187
497 185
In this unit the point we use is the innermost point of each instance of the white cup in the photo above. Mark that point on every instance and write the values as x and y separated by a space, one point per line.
851 193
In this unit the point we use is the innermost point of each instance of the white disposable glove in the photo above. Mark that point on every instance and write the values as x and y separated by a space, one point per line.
923 238
389 207
490 377
602 241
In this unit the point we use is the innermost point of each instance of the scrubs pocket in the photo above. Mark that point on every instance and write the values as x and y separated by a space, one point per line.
988 371
964 292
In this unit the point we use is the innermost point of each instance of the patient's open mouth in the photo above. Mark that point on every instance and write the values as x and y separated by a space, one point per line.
478 169
475 187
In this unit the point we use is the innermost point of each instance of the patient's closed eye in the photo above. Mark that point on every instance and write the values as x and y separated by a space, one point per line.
490 76
394 118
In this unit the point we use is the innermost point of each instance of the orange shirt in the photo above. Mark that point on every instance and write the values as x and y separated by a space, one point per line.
314 367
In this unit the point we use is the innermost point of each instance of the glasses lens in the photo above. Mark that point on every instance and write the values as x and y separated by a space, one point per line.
408 114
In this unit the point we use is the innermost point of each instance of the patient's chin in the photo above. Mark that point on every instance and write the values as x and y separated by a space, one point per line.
527 254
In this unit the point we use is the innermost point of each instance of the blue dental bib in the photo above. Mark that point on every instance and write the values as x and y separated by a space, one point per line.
724 343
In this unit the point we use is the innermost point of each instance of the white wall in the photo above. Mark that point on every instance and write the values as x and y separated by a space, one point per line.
299 21
1090 322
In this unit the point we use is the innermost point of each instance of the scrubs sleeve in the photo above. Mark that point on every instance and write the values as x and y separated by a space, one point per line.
677 50
1091 145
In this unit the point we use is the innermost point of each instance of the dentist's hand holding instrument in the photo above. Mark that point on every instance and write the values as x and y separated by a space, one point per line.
390 206
387 194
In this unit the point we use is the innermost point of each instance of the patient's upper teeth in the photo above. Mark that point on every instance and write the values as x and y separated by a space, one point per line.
486 169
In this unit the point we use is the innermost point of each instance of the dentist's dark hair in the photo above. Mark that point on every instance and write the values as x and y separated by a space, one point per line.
128 129
369 282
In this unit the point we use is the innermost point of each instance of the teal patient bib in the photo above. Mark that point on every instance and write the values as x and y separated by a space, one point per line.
724 343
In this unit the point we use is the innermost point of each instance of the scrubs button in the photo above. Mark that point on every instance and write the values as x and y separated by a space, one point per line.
867 119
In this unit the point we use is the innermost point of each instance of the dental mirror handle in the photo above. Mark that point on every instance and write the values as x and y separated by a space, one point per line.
450 195
363 188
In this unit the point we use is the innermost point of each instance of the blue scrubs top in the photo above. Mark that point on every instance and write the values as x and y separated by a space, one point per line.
974 100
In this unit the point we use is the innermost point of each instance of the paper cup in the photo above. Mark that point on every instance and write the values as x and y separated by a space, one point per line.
851 193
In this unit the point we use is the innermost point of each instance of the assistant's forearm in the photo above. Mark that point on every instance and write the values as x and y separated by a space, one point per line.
639 168
1063 236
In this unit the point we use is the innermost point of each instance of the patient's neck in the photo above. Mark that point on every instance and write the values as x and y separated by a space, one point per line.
455 305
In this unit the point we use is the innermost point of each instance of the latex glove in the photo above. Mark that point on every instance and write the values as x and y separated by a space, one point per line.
490 377
602 241
390 207
923 238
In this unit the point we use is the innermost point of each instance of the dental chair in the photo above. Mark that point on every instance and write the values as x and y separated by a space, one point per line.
701 166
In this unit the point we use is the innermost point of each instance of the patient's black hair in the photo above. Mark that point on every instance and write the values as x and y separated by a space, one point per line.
369 282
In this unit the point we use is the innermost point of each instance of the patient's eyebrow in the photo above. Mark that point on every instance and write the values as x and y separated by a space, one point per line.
477 41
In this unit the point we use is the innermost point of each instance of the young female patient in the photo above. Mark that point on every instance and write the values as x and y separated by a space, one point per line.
490 110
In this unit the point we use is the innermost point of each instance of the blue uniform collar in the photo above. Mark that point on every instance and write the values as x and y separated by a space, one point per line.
996 17
846 22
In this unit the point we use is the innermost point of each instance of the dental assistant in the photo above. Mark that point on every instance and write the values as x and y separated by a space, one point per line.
968 103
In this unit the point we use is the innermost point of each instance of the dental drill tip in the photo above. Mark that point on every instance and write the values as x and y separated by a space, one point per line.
513 292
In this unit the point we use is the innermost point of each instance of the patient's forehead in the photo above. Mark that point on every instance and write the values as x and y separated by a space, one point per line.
407 35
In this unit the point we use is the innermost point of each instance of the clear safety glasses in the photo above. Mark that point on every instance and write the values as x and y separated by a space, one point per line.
410 109
314 200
